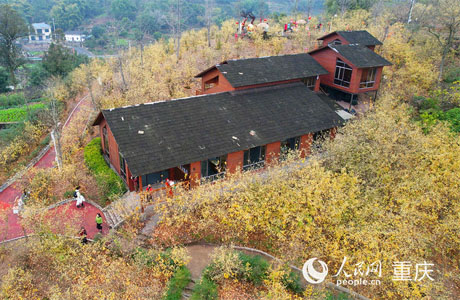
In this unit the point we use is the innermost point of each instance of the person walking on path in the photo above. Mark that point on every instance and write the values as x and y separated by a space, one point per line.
79 197
99 222
83 235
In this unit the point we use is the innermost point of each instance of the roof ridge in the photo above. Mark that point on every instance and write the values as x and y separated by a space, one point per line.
235 92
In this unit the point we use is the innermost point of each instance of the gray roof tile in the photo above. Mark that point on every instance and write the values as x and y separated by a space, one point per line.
191 129
360 56
251 71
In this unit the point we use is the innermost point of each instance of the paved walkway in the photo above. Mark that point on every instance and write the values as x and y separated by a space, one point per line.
7 196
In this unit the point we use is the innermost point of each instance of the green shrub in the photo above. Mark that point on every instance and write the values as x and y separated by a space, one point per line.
338 296
12 100
255 268
453 117
225 263
10 132
292 283
452 75
178 282
68 194
45 141
205 290
107 180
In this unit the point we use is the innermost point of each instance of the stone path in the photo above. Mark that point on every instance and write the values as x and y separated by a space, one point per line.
9 194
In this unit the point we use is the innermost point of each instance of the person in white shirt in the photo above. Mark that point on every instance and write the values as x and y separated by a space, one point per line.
79 197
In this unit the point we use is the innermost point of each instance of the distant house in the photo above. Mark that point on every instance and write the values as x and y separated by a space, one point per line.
40 32
74 36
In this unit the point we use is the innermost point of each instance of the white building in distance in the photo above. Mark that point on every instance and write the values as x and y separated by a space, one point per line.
74 36
40 32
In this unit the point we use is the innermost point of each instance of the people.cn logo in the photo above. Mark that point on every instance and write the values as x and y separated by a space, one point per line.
311 274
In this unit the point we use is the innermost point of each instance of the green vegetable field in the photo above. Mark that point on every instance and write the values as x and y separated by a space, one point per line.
18 114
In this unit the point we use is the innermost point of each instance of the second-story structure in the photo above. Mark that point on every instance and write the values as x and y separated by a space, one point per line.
353 66
40 32
239 74
350 37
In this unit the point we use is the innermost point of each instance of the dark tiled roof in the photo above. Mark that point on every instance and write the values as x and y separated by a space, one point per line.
360 56
330 102
157 136
356 37
243 72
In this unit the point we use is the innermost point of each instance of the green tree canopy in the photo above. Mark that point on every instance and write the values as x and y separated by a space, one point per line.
12 27
123 9
59 61
3 80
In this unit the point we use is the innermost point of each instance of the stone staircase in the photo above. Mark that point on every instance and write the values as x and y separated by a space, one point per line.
118 211
187 293
126 206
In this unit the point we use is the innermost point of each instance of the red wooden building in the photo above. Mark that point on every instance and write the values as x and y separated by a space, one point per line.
248 113
353 66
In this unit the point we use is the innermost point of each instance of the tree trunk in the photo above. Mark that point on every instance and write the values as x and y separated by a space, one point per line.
142 54
441 66
122 74
90 89
56 136
12 77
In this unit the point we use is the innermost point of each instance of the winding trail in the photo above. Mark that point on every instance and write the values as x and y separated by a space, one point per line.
12 228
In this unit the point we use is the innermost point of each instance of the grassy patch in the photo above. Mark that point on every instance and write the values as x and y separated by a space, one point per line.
178 282
108 182
122 42
16 100
255 268
205 290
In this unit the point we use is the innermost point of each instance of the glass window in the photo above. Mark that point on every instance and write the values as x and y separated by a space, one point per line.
254 158
211 83
106 141
310 82
154 178
213 166
343 73
336 42
39 31
122 166
367 78
288 145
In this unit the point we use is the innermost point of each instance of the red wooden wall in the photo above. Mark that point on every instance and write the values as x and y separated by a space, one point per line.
328 58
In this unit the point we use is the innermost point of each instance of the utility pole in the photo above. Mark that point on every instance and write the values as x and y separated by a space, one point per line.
178 30
54 31
208 16
409 18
